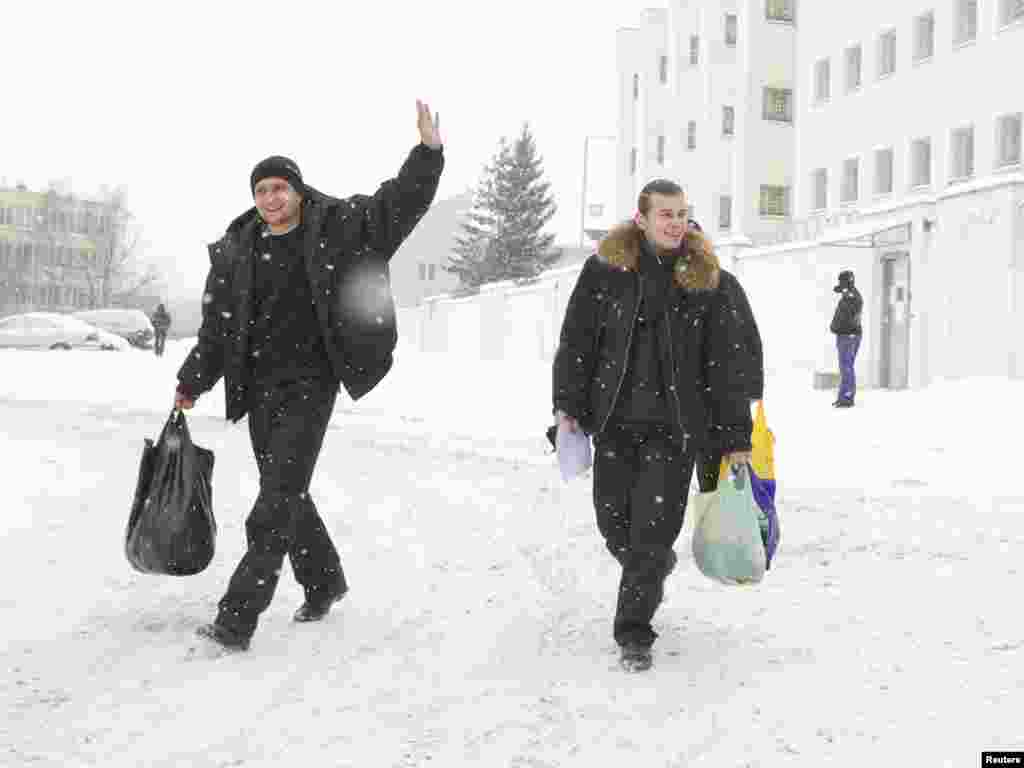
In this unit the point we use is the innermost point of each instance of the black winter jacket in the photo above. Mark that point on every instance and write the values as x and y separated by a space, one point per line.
752 368
161 320
750 352
590 364
846 320
348 244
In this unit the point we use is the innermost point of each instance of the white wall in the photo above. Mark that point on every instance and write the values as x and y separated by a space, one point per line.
977 325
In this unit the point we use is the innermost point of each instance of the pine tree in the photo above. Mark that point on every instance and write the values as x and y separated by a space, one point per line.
502 236
473 263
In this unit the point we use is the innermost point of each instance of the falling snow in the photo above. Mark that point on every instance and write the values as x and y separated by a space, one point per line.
478 625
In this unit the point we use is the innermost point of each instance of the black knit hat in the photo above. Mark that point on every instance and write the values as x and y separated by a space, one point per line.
281 167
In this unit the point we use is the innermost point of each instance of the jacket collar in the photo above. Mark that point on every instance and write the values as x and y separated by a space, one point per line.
696 266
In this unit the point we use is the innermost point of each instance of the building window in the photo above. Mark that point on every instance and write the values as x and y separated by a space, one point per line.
663 69
725 212
691 134
780 10
694 50
853 57
887 53
636 87
728 121
778 104
851 173
596 209
1008 151
966 21
632 161
924 36
431 271
962 153
730 29
822 80
883 171
819 180
774 200
921 163
1010 11
661 150
422 270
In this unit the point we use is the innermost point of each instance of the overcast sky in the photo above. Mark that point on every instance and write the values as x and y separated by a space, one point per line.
177 101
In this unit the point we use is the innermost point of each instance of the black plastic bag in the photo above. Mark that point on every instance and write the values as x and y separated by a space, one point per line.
172 529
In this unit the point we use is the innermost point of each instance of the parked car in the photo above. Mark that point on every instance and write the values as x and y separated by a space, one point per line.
50 330
130 324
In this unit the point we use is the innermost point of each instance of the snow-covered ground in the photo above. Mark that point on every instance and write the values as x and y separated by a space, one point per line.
477 630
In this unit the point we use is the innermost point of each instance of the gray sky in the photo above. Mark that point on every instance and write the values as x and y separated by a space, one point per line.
178 103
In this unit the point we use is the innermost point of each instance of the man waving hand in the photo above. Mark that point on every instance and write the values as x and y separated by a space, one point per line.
297 303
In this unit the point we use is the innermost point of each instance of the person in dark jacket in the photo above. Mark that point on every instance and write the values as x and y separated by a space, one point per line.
298 302
750 370
645 366
847 328
161 320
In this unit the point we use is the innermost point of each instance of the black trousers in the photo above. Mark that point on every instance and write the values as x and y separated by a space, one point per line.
159 339
287 424
709 461
641 481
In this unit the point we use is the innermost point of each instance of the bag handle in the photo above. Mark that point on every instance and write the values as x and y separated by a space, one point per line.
738 474
176 423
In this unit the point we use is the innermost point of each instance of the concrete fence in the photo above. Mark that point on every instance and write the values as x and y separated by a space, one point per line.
504 321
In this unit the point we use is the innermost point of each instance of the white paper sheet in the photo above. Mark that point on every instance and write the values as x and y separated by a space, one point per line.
574 453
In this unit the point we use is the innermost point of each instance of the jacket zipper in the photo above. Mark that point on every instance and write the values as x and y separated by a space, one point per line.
625 365
674 388
673 385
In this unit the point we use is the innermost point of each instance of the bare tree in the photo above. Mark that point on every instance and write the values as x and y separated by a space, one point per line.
119 269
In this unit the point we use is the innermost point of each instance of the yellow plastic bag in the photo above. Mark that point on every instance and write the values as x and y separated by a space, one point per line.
762 445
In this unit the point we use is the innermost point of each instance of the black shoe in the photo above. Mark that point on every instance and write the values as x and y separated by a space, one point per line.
844 403
224 637
636 657
316 609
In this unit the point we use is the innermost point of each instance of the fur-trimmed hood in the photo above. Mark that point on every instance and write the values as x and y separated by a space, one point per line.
696 267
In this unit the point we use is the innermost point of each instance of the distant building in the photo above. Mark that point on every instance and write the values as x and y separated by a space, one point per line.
416 269
51 249
598 214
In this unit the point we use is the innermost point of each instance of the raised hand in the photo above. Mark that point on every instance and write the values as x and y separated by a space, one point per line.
430 128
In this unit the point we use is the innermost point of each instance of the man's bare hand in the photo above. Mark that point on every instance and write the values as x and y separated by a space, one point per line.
738 458
569 421
430 128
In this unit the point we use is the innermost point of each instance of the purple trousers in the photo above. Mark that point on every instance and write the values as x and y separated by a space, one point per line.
847 345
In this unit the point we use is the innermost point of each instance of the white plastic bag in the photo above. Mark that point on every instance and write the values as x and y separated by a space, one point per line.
727 544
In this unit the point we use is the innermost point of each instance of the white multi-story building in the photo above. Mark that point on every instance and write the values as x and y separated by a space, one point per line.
706 99
908 142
